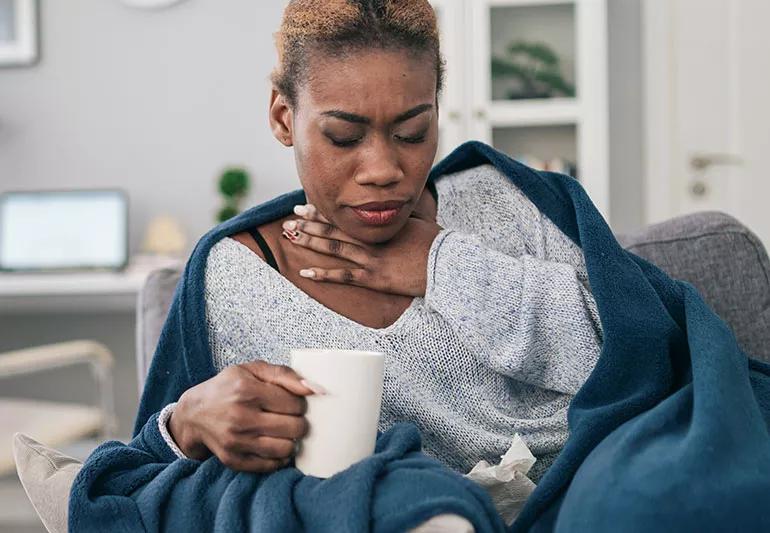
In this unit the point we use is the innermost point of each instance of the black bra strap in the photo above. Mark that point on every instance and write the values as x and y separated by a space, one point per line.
432 190
269 257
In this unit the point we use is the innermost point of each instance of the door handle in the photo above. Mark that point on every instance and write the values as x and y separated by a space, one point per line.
700 162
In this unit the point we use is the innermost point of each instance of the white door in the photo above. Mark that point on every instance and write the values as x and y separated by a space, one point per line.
707 102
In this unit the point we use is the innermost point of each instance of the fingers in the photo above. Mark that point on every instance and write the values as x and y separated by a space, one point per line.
276 399
309 212
320 229
258 449
278 426
345 250
343 276
280 375
265 447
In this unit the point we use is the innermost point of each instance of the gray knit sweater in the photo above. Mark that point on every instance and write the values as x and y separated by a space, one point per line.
506 334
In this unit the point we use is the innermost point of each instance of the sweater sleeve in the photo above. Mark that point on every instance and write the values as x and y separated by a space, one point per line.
528 318
163 419
152 440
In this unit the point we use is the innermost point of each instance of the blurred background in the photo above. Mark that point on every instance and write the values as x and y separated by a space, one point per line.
658 107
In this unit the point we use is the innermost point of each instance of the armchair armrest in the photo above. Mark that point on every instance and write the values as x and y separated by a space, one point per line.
52 356
29 360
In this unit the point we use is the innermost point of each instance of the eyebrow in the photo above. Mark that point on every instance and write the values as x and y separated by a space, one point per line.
358 119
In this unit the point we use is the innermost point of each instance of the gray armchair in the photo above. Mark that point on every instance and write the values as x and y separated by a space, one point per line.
725 261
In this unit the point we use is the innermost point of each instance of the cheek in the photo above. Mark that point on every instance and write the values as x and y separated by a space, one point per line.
421 161
321 171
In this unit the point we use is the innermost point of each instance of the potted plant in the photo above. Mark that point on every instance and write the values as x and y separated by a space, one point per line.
536 68
233 186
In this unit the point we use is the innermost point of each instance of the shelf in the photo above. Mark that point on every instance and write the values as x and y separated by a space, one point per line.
489 98
544 143
78 291
546 112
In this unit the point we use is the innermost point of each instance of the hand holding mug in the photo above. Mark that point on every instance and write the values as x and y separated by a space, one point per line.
250 416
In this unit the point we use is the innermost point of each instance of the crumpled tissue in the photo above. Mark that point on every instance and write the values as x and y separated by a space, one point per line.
507 483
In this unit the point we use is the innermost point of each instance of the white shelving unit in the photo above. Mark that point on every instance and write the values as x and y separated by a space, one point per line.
550 112
573 128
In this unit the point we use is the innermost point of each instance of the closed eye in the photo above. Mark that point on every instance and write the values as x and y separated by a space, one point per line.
411 140
345 143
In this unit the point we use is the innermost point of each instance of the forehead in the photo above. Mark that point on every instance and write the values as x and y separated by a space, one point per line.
370 80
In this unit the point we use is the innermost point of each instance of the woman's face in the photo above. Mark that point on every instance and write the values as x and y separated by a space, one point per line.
365 129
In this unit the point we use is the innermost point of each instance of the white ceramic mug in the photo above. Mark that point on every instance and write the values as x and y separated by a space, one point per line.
343 422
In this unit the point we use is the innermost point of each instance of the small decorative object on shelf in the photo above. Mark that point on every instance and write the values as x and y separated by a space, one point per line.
164 237
233 185
559 165
536 68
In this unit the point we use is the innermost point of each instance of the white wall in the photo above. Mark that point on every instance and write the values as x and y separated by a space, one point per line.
156 102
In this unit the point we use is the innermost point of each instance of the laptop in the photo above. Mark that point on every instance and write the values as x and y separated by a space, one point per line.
63 230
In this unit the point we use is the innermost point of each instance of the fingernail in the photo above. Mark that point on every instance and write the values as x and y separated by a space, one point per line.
290 225
315 387
300 210
306 273
291 235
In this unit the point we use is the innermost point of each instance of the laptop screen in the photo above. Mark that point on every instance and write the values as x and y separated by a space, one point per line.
63 230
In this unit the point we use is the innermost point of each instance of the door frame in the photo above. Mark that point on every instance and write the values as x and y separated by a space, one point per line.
659 64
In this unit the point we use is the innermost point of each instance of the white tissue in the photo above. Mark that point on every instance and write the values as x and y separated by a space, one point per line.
507 483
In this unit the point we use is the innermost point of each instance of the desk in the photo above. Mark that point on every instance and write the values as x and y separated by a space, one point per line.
78 291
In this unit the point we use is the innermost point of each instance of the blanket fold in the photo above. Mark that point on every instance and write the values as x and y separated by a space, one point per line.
669 432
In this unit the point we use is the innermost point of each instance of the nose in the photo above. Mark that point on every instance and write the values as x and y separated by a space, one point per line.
380 165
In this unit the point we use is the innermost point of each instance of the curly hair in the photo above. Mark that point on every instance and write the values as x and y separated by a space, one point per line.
340 27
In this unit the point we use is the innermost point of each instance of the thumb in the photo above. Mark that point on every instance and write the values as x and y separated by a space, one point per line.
283 376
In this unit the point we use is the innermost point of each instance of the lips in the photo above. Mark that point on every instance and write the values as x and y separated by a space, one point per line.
381 206
378 213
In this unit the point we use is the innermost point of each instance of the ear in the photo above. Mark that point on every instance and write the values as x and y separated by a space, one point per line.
281 119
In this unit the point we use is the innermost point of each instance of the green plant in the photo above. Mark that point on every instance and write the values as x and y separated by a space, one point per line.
233 186
536 67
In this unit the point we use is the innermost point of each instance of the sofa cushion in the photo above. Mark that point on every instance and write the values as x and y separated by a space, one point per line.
726 263
46 475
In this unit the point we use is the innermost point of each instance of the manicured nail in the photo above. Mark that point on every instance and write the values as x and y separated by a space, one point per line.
315 387
306 273
290 225
300 210
291 235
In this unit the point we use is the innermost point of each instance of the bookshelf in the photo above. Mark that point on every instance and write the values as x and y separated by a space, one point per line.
527 122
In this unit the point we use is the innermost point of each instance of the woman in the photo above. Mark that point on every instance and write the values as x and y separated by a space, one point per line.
494 343
480 303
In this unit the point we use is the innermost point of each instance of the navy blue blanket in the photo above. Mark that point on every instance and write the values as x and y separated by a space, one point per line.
669 433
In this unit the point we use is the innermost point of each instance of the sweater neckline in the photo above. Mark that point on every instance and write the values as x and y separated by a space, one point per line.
308 300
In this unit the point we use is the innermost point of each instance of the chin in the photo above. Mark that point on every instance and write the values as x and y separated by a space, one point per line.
374 234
